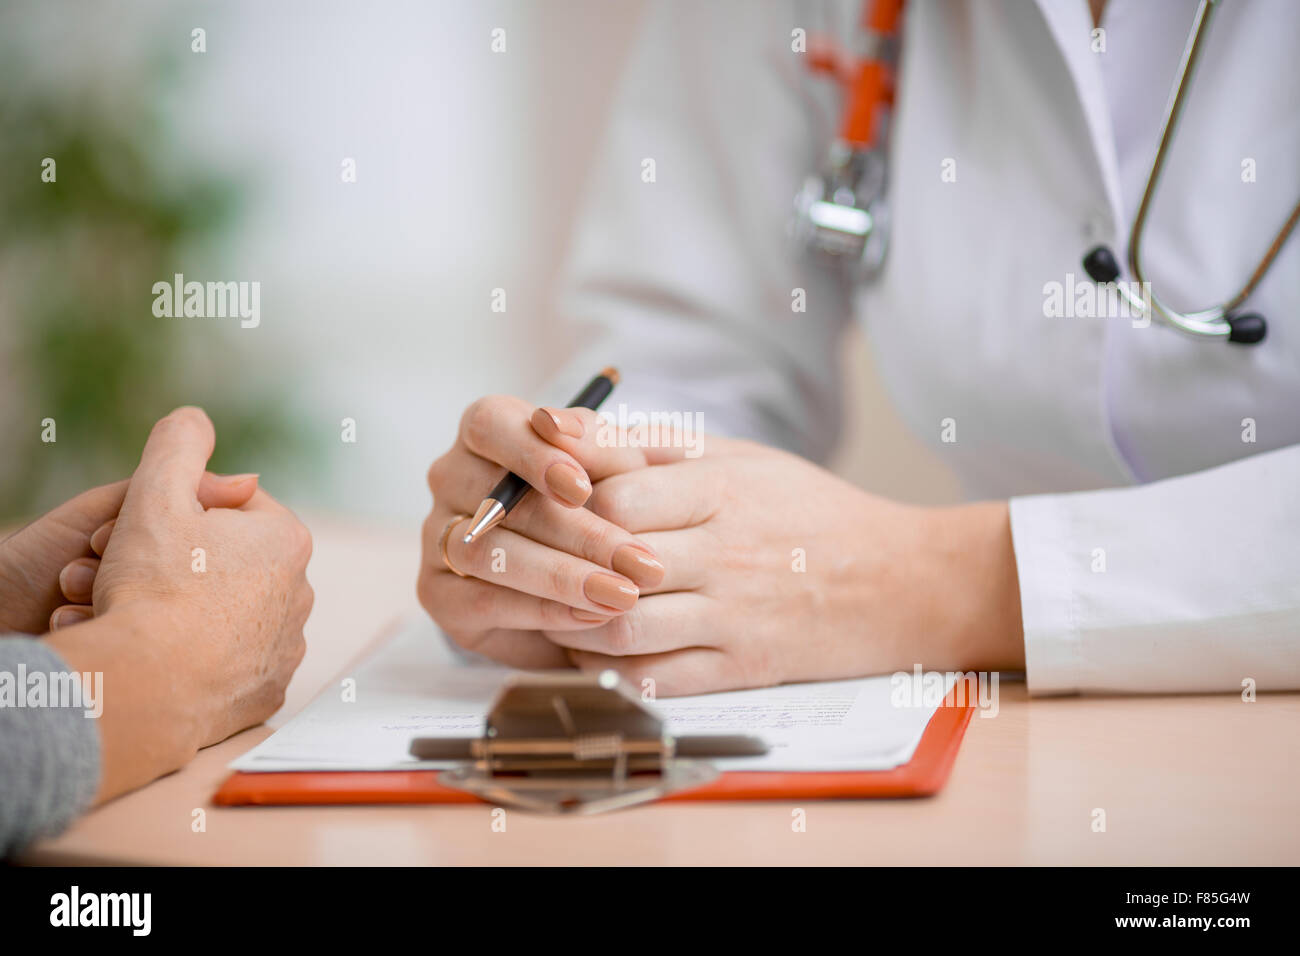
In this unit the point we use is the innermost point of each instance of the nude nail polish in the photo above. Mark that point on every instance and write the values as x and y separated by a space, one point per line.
568 484
566 423
588 617
638 564
611 591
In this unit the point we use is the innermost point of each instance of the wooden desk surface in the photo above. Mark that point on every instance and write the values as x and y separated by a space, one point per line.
1182 780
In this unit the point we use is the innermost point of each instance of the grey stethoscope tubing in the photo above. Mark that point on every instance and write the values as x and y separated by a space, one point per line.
1101 265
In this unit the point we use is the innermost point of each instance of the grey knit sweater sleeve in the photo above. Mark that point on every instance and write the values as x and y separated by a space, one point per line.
49 755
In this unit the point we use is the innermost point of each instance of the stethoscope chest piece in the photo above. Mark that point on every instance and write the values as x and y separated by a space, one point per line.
844 214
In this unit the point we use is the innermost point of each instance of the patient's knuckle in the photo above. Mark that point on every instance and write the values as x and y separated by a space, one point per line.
301 540
307 595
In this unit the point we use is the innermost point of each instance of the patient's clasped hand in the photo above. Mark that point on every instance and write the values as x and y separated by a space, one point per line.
189 651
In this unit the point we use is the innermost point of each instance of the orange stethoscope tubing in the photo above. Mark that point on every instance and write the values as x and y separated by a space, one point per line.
868 77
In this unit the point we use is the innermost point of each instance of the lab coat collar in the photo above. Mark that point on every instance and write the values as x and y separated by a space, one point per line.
1070 25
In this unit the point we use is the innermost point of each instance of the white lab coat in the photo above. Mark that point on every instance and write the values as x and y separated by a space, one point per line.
686 282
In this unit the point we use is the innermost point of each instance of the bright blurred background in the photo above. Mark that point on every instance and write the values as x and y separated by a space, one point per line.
376 295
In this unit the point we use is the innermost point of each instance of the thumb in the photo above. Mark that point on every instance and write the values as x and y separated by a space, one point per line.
174 459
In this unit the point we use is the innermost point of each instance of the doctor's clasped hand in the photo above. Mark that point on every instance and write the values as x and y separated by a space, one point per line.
552 565
778 571
774 569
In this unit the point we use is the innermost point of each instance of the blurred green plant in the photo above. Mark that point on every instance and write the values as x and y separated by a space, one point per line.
78 259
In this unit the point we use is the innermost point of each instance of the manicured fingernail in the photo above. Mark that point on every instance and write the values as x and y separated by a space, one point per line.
67 616
588 617
568 484
639 565
99 540
77 581
565 422
236 479
614 592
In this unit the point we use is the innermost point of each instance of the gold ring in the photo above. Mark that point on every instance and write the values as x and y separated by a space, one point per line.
442 543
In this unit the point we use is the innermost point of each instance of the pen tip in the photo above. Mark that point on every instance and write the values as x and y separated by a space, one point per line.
490 514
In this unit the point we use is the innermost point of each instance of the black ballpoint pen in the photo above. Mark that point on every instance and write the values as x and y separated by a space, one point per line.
512 488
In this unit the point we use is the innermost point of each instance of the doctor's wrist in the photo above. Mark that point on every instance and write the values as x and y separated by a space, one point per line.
979 588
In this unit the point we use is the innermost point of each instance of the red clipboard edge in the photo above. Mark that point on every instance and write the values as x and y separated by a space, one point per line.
923 775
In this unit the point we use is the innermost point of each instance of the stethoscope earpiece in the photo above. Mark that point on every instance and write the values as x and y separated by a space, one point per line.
1100 265
1249 329
1216 322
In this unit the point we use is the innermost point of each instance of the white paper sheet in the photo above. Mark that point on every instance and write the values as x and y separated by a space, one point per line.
417 685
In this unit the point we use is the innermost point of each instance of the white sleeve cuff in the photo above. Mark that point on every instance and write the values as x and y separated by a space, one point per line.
1044 544
1186 585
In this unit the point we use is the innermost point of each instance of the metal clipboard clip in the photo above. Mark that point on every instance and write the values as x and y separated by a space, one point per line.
566 743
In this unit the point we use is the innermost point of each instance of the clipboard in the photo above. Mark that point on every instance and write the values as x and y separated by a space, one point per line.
923 775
